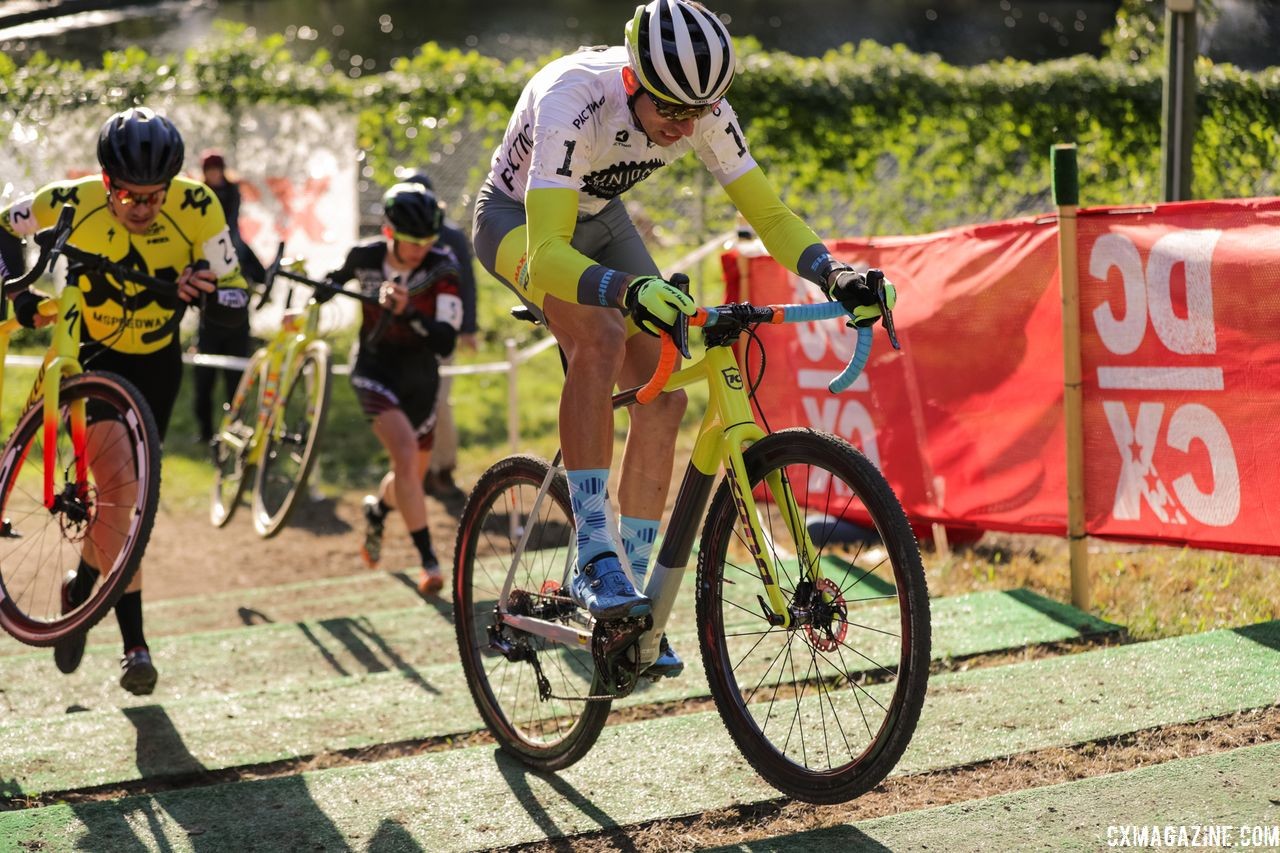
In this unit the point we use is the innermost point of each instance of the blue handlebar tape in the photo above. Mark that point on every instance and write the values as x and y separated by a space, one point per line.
825 311
860 355
829 311
809 313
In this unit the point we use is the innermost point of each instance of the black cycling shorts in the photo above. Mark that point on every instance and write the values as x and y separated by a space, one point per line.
396 379
157 375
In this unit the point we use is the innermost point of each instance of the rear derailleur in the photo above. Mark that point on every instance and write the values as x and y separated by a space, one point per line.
614 647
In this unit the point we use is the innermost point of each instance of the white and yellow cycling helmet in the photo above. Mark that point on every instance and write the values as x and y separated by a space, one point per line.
681 52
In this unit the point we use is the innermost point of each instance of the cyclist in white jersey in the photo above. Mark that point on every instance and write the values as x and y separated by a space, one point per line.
549 223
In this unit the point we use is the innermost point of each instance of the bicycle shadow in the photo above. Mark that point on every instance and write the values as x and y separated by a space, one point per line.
516 775
319 517
841 838
208 818
391 837
367 646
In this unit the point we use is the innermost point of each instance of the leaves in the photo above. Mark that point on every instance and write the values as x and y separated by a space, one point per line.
866 139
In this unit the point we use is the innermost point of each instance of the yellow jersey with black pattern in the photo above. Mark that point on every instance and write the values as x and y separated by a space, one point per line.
124 316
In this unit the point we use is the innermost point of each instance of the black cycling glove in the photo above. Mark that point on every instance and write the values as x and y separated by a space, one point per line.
25 304
850 288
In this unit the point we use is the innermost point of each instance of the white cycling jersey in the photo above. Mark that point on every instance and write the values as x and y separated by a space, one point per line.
572 129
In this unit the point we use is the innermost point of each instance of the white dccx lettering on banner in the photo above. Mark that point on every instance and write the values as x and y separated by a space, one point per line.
845 416
1148 296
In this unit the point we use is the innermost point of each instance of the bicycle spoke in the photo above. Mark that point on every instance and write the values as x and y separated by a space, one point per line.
786 693
111 506
545 732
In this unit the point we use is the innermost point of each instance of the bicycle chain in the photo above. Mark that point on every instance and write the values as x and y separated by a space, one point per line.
601 635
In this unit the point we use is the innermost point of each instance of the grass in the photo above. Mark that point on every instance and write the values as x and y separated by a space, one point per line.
1153 591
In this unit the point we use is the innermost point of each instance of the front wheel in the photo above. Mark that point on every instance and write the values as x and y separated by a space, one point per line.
82 490
506 667
232 446
292 433
822 709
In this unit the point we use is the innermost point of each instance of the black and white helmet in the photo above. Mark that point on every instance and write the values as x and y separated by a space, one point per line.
138 146
681 52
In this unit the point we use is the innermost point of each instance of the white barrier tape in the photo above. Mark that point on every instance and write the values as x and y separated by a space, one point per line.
235 362
231 362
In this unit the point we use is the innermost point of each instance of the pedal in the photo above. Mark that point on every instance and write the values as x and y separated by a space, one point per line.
7 531
524 312
616 655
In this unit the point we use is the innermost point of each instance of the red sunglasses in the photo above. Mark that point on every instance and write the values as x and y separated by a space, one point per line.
129 197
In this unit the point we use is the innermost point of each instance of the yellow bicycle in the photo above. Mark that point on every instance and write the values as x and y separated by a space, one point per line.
272 424
818 666
80 473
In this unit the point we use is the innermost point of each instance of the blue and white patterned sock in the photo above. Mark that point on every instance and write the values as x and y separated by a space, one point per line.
588 491
638 536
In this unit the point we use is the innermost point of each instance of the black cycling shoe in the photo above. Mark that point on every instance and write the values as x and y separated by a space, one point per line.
76 589
139 675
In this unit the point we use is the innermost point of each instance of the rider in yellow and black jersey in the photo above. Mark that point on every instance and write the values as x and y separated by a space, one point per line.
140 214
123 316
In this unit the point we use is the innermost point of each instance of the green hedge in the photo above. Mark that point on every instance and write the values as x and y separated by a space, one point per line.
868 139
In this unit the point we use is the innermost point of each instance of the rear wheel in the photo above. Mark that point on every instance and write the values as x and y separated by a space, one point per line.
291 438
103 506
233 443
505 666
822 709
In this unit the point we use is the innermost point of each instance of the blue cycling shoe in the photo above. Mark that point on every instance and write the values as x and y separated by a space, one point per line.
668 663
602 587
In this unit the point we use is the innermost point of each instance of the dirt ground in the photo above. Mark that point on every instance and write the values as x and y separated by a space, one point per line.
188 556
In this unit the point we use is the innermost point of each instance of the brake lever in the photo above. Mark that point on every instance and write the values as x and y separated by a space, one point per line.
680 335
269 276
63 230
886 316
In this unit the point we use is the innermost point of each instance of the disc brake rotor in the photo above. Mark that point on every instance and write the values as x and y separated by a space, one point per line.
830 623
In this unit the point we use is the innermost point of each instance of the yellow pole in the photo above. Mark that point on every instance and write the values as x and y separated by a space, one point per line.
1066 195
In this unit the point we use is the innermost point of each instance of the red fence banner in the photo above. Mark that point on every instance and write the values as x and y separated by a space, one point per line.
1179 306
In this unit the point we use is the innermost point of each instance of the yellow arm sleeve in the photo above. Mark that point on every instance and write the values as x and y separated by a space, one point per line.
555 267
792 243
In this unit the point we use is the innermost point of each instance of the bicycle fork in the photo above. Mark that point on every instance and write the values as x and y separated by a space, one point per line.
62 361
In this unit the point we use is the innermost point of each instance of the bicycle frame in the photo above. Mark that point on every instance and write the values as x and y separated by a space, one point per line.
728 428
296 332
61 359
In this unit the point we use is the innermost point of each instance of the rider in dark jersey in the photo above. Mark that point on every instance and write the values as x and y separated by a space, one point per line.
397 371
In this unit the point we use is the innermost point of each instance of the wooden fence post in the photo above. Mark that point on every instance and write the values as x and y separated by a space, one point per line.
1066 195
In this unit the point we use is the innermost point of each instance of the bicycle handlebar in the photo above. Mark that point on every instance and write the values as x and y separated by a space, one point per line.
53 242
277 268
746 314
